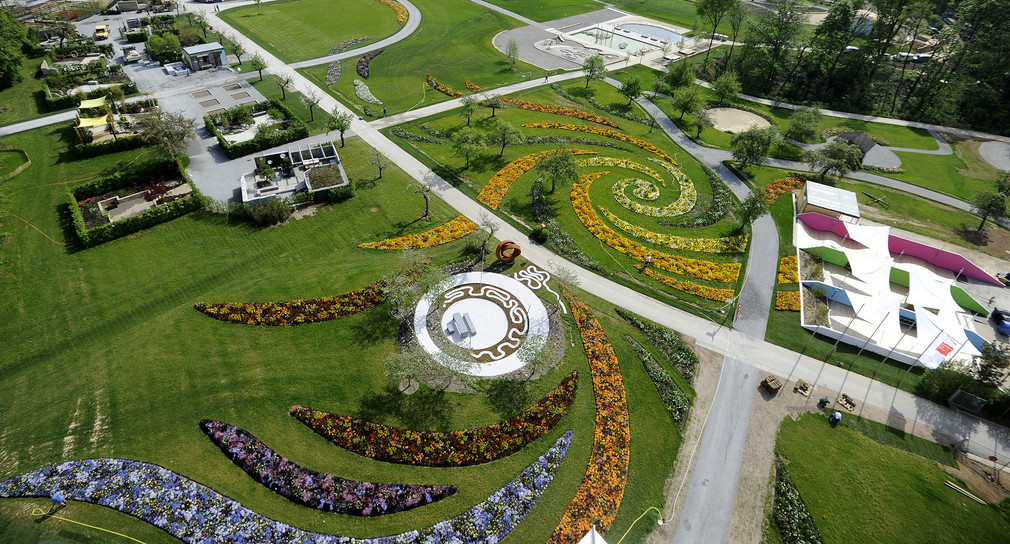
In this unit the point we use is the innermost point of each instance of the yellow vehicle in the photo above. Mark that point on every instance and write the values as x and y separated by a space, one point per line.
101 32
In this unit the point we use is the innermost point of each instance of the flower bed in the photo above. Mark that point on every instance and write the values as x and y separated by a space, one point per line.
346 44
494 190
473 87
316 489
729 244
362 66
444 89
780 187
193 512
442 234
787 301
599 496
332 73
680 355
609 134
685 203
795 524
560 110
721 272
789 270
401 132
675 400
703 291
361 91
443 448
401 12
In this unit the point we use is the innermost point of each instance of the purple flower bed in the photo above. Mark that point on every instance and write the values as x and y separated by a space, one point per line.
194 513
364 60
332 73
316 489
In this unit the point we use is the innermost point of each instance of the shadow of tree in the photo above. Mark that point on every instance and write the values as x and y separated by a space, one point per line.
427 408
378 326
972 235
379 406
508 397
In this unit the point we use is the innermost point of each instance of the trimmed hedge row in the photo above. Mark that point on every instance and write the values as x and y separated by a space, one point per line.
673 398
129 225
668 342
296 131
124 143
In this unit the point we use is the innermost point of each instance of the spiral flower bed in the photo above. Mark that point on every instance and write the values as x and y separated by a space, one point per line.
362 67
473 87
782 186
444 89
789 270
361 91
599 496
494 190
729 244
194 513
685 203
788 301
720 272
401 12
703 291
443 448
316 489
560 110
332 73
442 234
609 134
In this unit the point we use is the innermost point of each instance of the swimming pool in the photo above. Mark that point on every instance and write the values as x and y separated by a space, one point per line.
606 38
654 31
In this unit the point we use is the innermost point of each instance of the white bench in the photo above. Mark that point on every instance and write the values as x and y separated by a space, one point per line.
460 324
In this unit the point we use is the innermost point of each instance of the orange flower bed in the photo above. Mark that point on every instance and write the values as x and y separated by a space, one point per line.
442 234
444 89
499 184
711 293
599 496
782 186
789 271
705 270
609 134
560 110
787 300
401 12
473 87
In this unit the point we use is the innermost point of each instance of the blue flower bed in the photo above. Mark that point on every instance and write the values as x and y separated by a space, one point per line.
195 513
316 489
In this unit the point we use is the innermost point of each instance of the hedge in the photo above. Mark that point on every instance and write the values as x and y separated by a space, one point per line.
129 225
296 131
136 37
54 103
124 143
795 524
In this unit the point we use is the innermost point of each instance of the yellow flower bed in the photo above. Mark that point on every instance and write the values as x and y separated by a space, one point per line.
609 134
494 190
560 110
401 12
787 300
442 234
688 194
780 187
721 272
789 270
730 244
711 293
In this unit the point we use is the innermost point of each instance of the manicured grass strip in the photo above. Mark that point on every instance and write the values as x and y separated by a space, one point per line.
317 489
674 399
443 448
889 436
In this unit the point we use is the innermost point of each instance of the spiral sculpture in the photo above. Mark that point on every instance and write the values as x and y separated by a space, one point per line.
507 251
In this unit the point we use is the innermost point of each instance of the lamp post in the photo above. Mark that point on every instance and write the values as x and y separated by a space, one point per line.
661 521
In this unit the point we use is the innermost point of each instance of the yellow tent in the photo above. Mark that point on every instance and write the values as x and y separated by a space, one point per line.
92 103
88 122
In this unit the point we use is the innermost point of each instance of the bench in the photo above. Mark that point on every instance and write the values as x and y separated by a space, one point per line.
460 324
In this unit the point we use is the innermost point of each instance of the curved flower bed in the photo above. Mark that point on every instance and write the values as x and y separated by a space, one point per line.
316 489
789 270
685 203
599 495
444 448
703 291
560 110
401 12
332 73
782 186
297 312
442 234
362 67
473 87
494 190
729 244
194 513
346 44
721 272
444 89
675 400
609 134
361 91
788 301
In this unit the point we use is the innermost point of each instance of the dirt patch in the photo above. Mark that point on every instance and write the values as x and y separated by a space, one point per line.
980 480
307 211
993 242
734 120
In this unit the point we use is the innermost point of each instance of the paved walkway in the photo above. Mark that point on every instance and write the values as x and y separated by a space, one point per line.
412 24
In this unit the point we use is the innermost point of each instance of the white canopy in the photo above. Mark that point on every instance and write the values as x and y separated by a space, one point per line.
881 312
593 537
874 270
940 341
872 237
926 291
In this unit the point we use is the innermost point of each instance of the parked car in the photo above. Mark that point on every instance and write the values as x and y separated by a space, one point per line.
101 32
905 57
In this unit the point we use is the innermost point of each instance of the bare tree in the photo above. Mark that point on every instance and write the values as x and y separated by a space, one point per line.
284 81
310 101
339 120
379 160
512 51
425 191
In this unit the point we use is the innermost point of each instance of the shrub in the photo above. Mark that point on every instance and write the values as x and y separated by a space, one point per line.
340 194
271 212
296 130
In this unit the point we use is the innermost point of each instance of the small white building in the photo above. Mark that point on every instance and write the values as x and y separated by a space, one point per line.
204 56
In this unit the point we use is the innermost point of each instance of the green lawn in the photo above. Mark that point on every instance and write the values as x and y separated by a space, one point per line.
547 10
272 91
293 30
24 100
453 45
858 490
10 160
960 175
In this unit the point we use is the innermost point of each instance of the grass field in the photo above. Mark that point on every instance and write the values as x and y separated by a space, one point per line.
293 30
24 100
858 490
547 10
453 45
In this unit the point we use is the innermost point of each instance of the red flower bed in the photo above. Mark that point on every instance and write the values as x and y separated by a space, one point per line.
444 89
442 234
473 87
788 301
444 448
560 110
780 187
599 496
297 312
494 190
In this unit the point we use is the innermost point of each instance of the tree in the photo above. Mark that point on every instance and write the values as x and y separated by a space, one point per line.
259 6
495 102
257 63
632 88
468 107
512 52
737 19
168 131
687 100
536 360
1003 183
561 167
804 124
839 156
753 145
774 34
713 11
680 74
407 365
339 120
503 134
752 207
992 365
594 68
238 50
284 81
701 121
988 205
404 289
466 142
424 191
310 101
379 160
489 224
726 86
